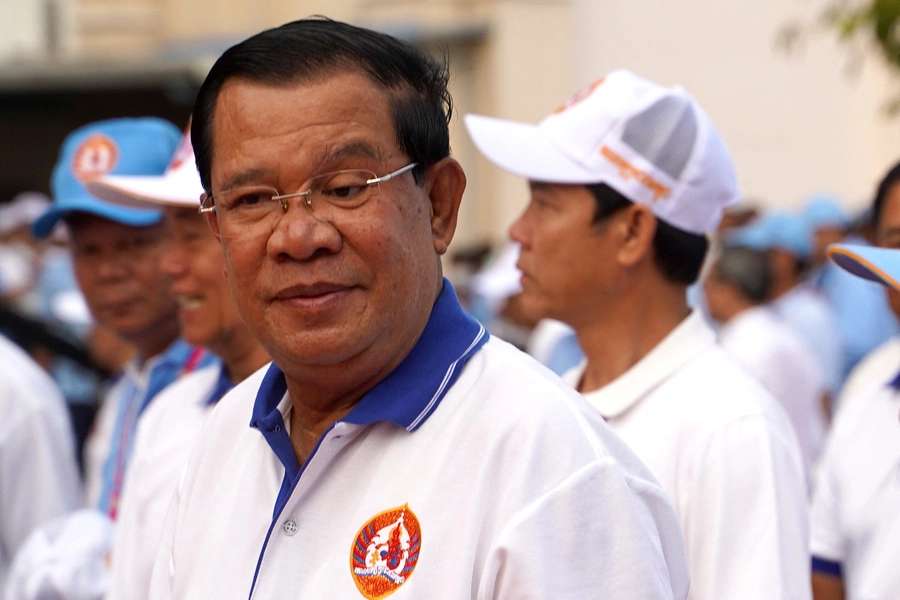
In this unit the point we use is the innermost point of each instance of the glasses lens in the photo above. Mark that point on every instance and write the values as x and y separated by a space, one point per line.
241 208
341 189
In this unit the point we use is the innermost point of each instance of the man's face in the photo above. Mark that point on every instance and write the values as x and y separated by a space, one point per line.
887 235
118 271
565 259
193 260
317 292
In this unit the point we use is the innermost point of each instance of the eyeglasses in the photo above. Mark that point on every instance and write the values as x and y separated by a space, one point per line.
256 208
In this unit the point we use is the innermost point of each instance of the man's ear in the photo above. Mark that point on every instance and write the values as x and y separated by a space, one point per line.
445 183
637 230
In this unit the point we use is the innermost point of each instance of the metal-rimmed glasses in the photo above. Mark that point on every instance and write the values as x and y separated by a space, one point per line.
255 207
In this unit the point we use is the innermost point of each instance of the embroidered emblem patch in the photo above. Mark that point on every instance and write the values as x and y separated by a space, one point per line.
385 552
95 157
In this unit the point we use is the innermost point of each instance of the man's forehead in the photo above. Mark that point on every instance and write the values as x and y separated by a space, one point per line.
79 222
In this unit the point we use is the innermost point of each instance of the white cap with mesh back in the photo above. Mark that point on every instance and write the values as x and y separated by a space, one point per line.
654 145
178 186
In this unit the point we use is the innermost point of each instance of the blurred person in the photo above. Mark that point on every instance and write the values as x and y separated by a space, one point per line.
116 254
787 241
828 224
38 472
865 320
394 445
855 521
626 180
207 317
756 337
20 252
881 364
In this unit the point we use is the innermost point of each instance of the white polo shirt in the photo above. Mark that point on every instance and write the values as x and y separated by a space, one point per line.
469 472
727 455
856 508
165 437
763 343
879 366
38 473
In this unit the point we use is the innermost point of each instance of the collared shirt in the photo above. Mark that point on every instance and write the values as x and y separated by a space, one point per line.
38 473
763 343
110 447
855 515
163 442
469 472
726 453
879 366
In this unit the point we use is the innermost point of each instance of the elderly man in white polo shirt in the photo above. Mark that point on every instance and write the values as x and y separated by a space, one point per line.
856 508
626 179
392 447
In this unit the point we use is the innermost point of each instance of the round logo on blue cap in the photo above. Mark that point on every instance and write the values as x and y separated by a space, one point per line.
95 157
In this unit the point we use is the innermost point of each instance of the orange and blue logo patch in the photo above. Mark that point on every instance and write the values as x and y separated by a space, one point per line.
95 157
385 552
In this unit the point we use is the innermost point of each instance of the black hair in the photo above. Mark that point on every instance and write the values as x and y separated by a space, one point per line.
313 48
892 177
678 254
747 269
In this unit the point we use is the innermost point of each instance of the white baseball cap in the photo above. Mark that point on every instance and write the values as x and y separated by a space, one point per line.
654 145
178 186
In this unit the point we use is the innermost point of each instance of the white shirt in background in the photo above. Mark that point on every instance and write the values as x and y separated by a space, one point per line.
764 344
879 366
726 453
165 437
38 472
856 507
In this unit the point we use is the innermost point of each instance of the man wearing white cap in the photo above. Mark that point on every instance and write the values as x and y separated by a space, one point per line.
207 317
626 179
855 517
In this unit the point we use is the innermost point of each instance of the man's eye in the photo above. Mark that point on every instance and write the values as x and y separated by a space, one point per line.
249 199
344 191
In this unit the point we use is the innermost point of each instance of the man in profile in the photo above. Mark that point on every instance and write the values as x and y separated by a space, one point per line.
391 444
626 179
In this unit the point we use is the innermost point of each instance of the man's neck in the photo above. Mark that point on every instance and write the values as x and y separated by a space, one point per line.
615 339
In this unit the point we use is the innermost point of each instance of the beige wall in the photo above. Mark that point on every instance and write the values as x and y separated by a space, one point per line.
796 124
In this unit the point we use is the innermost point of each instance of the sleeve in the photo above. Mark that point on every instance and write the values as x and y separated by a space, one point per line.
744 514
38 473
827 540
599 534
162 578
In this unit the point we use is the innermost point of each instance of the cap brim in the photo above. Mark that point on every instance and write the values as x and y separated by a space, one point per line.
881 265
525 150
120 214
144 191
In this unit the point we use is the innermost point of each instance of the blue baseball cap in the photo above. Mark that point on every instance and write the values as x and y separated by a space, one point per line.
780 230
140 146
825 211
881 265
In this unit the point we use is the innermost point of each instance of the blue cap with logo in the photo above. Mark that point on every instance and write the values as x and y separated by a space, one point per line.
779 230
133 146
881 265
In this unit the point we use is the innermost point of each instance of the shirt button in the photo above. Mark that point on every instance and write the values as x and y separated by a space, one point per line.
290 527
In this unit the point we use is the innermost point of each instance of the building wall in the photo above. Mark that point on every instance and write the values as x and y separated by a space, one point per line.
796 123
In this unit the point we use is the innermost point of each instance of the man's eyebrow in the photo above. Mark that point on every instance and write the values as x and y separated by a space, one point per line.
245 177
352 150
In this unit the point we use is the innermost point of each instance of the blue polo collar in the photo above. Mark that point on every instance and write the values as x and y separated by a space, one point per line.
895 383
412 391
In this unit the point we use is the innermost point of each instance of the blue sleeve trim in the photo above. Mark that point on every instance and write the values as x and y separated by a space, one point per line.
827 567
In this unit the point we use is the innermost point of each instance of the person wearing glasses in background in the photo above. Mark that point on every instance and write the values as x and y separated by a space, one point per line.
207 317
392 444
